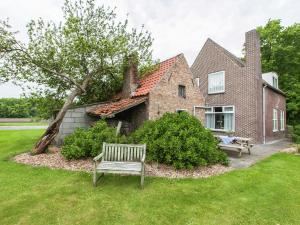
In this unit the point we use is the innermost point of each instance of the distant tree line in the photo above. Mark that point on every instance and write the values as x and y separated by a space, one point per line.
17 108
29 107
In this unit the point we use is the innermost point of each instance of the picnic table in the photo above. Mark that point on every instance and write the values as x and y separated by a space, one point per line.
238 144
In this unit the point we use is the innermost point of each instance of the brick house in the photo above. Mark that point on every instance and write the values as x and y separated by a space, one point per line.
169 88
238 97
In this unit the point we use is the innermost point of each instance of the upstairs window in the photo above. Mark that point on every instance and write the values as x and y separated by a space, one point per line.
181 91
275 120
216 82
275 82
197 81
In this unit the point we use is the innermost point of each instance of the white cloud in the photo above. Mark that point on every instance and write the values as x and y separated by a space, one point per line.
177 26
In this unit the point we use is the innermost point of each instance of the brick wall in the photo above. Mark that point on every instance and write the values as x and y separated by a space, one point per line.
164 97
274 101
243 83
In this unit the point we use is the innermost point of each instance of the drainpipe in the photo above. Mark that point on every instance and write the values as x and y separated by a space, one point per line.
264 114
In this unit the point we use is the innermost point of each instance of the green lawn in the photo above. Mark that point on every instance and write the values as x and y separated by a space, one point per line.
24 124
267 193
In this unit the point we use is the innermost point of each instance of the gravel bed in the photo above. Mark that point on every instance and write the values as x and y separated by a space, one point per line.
57 161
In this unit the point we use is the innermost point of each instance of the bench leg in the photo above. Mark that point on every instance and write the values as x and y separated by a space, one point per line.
95 178
240 153
142 178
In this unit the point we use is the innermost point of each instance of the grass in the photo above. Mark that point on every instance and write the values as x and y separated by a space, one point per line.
24 124
267 193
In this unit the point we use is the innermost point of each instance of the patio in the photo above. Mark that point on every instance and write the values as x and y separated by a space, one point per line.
258 152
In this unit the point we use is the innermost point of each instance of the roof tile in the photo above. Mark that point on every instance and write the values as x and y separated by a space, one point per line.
110 108
149 81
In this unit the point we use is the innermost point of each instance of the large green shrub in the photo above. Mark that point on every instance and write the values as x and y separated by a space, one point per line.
180 140
296 134
88 143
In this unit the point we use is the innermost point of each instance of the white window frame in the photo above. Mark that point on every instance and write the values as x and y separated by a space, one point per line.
209 80
275 82
282 120
275 120
197 80
223 112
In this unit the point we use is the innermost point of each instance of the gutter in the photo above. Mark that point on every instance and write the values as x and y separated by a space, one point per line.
264 113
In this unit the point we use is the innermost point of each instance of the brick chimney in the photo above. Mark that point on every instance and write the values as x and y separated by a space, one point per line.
254 80
252 46
130 81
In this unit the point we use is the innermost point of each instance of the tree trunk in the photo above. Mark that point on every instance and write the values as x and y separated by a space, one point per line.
53 129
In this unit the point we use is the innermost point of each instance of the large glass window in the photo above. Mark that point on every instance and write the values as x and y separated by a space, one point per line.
216 82
220 118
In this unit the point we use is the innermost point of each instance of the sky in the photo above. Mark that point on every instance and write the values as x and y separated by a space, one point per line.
177 26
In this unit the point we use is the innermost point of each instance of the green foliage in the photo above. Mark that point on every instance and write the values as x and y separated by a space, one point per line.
88 143
46 103
180 140
280 47
88 47
17 108
296 134
175 139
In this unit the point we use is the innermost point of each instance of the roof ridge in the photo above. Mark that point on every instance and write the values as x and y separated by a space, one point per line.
149 81
228 53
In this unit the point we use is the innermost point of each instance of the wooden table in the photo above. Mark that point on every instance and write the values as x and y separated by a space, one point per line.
240 144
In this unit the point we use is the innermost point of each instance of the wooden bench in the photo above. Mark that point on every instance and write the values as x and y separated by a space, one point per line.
230 147
120 159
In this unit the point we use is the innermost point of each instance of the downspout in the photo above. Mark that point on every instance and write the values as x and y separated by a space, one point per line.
264 114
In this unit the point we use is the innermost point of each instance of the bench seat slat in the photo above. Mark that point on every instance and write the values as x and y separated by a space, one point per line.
118 166
121 159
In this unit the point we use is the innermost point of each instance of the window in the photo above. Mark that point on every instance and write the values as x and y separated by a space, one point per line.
220 118
216 82
275 120
197 80
282 120
181 91
181 110
275 82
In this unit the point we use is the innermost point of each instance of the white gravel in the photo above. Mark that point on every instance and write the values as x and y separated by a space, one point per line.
57 161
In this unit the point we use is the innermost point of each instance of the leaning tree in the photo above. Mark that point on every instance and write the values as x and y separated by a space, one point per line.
71 58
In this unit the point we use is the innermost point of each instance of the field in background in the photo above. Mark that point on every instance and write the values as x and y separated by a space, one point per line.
21 122
24 124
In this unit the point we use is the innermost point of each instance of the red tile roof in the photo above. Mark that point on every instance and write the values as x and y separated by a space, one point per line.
109 109
149 81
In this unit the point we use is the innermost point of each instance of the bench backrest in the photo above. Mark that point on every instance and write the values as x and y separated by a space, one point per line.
123 152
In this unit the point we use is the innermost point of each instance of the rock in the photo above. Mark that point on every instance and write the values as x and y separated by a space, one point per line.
289 150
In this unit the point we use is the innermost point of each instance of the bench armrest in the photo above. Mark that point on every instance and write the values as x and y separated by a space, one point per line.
143 158
98 157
